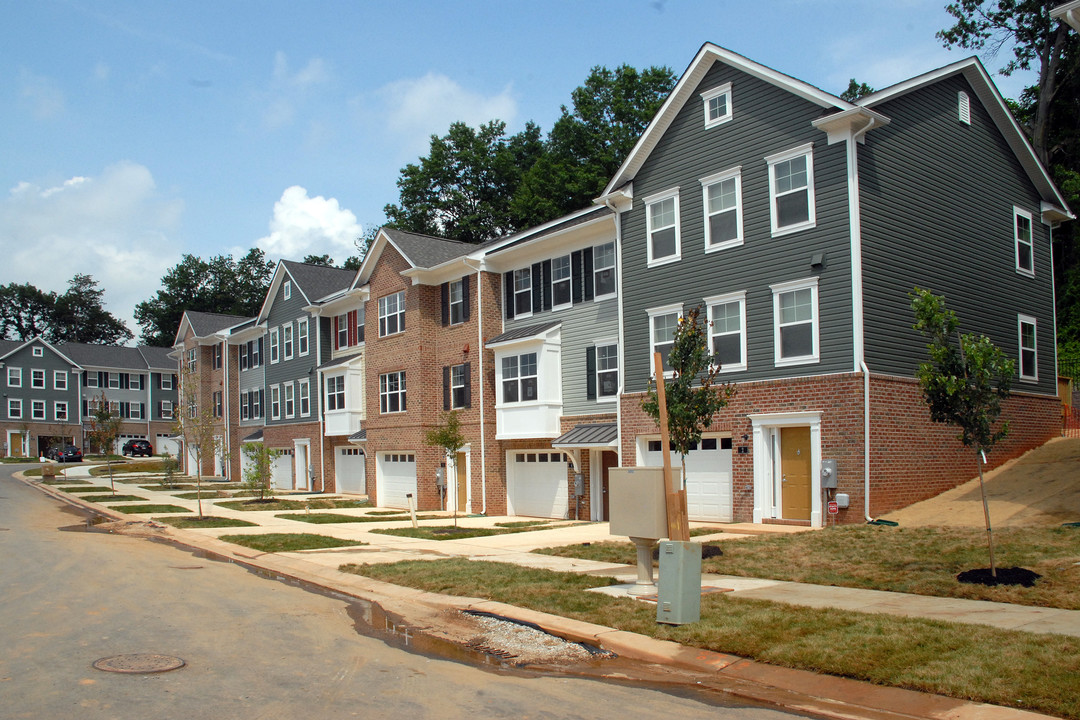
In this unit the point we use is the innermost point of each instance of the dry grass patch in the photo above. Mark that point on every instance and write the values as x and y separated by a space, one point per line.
1015 669
923 561
279 504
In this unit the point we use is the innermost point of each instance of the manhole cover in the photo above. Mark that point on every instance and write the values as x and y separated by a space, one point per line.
139 663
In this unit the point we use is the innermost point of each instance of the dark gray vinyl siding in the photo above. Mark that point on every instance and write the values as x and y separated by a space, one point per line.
157 395
49 362
299 367
937 208
766 120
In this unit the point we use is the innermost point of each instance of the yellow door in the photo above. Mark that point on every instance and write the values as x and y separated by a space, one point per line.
15 443
795 469
462 483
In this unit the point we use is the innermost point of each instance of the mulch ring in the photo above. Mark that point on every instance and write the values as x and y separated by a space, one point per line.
1005 576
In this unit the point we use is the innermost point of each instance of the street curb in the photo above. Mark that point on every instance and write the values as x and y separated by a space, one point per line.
799 690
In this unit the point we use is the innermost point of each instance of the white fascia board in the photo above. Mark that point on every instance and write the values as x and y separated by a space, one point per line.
275 283
840 125
498 245
1068 13
370 259
684 91
560 242
351 299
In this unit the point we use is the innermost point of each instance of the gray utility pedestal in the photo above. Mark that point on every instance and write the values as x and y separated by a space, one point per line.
679 599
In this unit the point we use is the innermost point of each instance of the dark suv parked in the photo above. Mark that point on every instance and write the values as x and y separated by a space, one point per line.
138 447
68 453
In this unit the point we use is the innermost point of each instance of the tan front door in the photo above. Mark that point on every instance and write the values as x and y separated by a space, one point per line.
795 469
462 483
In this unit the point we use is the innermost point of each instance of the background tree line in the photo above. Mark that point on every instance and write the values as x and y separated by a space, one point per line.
76 315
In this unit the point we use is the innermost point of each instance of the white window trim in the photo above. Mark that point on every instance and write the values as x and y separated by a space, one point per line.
286 290
60 410
303 392
400 392
17 375
34 376
450 303
706 183
15 414
399 313
333 379
569 280
302 332
166 381
60 380
652 313
777 291
648 202
275 402
1021 212
275 356
288 341
607 342
513 279
773 160
615 286
37 351
453 387
501 378
1021 320
342 328
289 397
34 406
708 95
739 297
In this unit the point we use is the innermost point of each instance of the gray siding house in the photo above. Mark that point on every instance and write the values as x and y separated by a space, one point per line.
799 223
40 406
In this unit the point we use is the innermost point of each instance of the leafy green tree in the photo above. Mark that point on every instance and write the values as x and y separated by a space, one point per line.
78 316
25 311
320 260
855 90
104 431
963 383
259 470
447 435
220 285
693 395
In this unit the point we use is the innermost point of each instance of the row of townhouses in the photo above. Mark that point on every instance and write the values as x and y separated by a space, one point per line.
799 221
50 392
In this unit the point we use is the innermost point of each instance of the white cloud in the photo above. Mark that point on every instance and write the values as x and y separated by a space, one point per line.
115 227
40 95
305 225
288 90
418 108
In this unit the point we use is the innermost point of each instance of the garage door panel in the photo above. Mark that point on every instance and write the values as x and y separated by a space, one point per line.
396 478
349 472
708 477
537 484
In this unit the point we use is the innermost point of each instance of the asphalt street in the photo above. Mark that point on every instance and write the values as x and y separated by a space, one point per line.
254 647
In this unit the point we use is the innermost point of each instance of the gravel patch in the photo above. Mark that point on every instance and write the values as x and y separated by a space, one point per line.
519 644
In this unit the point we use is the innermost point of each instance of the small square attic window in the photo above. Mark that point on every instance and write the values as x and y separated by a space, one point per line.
963 107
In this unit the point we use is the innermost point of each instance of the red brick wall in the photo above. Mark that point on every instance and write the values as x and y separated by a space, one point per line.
283 437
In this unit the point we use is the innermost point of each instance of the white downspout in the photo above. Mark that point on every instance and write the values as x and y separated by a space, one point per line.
480 376
316 396
227 440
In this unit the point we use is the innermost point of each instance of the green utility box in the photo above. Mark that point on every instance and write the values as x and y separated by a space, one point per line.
679 598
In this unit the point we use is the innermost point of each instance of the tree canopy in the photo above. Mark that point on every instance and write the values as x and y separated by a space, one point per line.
219 285
478 184
76 315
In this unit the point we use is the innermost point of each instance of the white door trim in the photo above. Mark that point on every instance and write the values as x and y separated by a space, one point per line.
301 462
767 462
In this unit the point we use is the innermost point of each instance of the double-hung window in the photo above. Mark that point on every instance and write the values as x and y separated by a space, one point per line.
290 400
795 322
304 393
287 341
663 322
14 377
456 297
723 209
662 221
114 381
604 270
274 357
245 405
607 371
343 330
392 392
37 379
302 347
60 378
457 386
523 292
335 392
60 411
717 105
166 381
791 190
1029 358
560 282
215 357
37 409
392 314
166 410
727 330
217 401
275 402
286 290
14 408
519 378
1025 247
192 359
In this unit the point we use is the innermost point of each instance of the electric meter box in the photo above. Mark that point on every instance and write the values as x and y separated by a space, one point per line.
637 502
828 474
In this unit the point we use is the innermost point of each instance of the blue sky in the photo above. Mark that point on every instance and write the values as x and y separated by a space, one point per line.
136 131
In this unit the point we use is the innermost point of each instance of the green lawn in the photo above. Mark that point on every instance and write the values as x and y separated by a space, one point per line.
149 508
288 542
280 504
87 489
110 498
330 518
1010 668
923 561
206 521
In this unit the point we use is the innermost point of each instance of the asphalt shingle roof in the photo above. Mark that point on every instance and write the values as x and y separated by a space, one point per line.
204 323
157 357
111 356
426 251
317 281
529 235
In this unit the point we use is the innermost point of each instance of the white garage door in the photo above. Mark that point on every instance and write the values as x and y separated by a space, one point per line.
281 471
163 443
396 476
537 484
708 476
349 471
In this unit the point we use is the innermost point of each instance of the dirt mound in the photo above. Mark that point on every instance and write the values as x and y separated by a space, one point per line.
1038 489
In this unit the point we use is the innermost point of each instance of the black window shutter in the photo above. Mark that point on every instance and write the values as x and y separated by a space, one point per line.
175 386
85 381
157 380
465 298
468 385
125 381
446 387
586 257
537 287
590 371
260 351
575 275
262 402
103 379
159 409
444 289
508 293
547 284
142 410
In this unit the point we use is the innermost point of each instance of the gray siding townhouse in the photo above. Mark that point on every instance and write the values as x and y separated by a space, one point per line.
800 223
296 345
164 383
556 364
248 341
40 405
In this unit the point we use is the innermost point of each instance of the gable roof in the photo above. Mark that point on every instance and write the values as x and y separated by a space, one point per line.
204 324
687 85
979 80
420 251
157 358
315 283
10 347
552 227
111 356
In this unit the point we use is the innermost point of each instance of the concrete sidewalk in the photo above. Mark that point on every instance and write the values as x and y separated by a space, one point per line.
795 689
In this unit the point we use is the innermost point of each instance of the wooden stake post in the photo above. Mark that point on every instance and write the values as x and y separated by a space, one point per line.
678 521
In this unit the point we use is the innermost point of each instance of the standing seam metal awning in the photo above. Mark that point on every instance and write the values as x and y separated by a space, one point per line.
595 435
